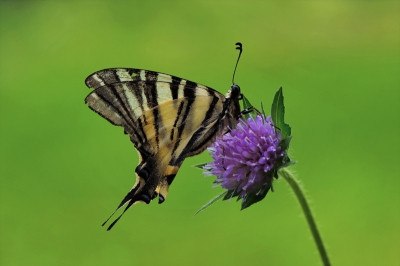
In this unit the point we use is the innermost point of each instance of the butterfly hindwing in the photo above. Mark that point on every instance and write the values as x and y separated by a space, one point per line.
166 117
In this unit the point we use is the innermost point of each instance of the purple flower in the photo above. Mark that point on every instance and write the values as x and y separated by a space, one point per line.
247 158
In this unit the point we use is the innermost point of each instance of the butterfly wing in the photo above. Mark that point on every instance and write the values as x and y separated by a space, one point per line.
166 117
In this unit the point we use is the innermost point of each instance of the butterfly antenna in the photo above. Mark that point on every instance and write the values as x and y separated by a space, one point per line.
238 47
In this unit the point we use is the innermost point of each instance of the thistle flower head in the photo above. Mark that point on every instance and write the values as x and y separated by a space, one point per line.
247 158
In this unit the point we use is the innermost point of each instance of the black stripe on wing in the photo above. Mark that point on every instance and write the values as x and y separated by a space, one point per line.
112 109
190 94
116 75
108 77
111 99
150 92
202 135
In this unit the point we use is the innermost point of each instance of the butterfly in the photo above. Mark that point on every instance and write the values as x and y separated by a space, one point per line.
167 119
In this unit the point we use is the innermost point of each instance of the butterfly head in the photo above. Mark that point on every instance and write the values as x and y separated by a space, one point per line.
234 92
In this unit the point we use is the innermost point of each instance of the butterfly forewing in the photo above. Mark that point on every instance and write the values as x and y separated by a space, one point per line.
166 117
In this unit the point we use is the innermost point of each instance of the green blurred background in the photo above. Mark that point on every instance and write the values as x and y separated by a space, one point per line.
64 169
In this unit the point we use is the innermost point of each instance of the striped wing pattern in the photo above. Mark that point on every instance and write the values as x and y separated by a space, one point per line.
166 117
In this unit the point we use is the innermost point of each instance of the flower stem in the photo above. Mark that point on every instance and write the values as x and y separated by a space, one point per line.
289 177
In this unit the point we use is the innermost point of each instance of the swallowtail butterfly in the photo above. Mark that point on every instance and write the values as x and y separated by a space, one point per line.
167 119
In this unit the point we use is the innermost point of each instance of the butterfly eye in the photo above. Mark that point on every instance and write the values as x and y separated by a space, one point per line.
235 92
240 96
235 87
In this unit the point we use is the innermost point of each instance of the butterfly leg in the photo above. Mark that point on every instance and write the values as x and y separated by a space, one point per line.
247 110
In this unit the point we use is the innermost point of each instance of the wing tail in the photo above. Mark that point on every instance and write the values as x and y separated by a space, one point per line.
127 198
134 195
131 202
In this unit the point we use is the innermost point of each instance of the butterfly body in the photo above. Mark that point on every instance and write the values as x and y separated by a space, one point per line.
167 118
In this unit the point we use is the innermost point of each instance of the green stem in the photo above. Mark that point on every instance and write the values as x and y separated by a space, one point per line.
288 176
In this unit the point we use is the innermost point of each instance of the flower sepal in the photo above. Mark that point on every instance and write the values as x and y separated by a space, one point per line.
250 199
200 165
230 194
